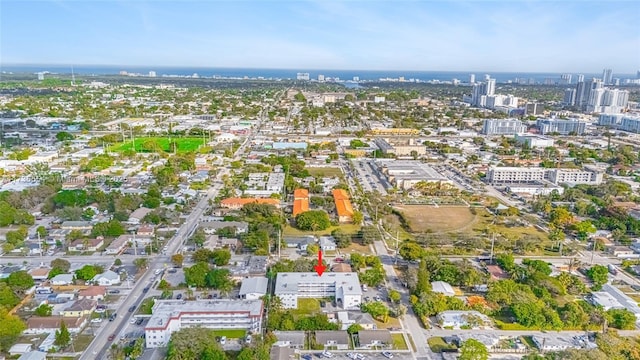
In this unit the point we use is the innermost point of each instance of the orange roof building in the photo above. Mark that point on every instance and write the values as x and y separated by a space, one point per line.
343 205
300 201
238 203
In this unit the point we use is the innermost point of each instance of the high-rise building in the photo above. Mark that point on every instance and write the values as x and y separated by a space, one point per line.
320 78
607 76
356 78
152 73
561 126
580 77
565 79
608 101
580 98
302 76
491 86
503 127
472 78
569 97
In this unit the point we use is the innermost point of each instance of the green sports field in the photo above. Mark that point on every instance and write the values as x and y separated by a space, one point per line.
156 144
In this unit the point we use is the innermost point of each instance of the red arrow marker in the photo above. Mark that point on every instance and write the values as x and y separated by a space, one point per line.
320 268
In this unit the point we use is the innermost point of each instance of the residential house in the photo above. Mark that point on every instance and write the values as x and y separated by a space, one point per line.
87 244
211 227
45 325
442 287
458 319
76 225
610 297
138 214
33 355
331 339
118 245
348 318
344 209
107 278
19 349
93 293
622 252
80 308
61 280
554 343
282 353
39 274
145 231
327 243
300 242
8 270
213 242
253 288
374 339
292 339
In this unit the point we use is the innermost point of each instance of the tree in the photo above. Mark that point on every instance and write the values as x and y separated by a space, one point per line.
599 274
313 220
622 319
219 279
44 310
221 257
61 264
395 296
63 337
191 343
11 327
164 285
42 231
560 217
342 239
20 281
354 328
8 298
584 229
88 272
141 263
411 251
376 309
357 217
473 349
117 262
177 260
64 136
312 249
196 274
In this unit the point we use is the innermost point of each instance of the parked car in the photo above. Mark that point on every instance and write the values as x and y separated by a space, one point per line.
139 321
248 339
223 340
179 296
96 320
387 354
113 292
327 354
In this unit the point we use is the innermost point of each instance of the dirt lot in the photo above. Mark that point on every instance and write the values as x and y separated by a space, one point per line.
423 218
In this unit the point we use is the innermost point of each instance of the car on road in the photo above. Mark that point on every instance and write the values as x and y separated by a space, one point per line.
387 354
145 290
113 317
132 308
111 337
96 320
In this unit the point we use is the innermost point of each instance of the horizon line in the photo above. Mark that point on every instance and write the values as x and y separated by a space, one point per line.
152 67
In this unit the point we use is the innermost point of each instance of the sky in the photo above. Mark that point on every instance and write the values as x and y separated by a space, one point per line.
502 36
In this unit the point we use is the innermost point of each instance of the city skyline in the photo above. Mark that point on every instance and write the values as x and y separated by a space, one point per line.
411 35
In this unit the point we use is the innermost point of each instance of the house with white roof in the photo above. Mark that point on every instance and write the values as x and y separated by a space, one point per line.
62 279
345 287
107 278
458 319
442 288
253 288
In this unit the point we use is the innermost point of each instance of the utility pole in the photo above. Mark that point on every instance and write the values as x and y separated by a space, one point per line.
397 244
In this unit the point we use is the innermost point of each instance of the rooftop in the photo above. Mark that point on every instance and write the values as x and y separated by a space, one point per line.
288 283
164 310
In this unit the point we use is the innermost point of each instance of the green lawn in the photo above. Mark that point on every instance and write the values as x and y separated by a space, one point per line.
231 333
148 144
307 307
81 342
398 342
437 344
324 171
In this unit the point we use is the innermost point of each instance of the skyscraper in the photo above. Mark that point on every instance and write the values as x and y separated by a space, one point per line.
491 87
607 76
565 79
569 97
580 77
472 78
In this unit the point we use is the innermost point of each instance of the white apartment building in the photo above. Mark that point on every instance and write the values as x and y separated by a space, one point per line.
345 287
533 141
531 175
169 316
622 122
503 127
561 126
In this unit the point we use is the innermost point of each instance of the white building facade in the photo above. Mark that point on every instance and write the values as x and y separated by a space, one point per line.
345 287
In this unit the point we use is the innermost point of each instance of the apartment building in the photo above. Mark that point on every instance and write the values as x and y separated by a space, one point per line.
528 175
169 316
344 209
300 201
345 287
503 127
561 126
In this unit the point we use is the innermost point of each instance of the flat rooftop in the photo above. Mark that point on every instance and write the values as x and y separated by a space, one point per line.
163 310
289 283
410 170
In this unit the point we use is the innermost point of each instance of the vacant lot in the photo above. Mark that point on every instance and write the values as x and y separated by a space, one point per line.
347 228
425 218
324 171
157 144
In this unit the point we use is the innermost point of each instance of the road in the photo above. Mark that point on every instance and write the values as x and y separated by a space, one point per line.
100 345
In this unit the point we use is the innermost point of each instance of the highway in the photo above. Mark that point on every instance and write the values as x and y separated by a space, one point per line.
99 347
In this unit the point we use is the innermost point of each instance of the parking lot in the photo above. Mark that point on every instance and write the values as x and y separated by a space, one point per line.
370 179
367 355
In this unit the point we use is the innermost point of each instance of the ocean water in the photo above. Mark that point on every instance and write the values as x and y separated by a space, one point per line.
463 76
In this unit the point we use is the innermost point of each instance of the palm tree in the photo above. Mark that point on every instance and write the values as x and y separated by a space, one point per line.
574 264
